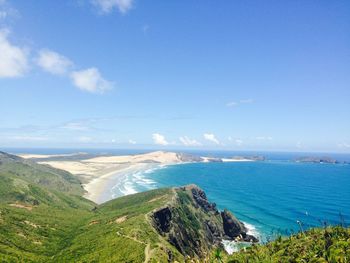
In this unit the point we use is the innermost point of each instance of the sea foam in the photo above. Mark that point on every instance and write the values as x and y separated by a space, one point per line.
234 246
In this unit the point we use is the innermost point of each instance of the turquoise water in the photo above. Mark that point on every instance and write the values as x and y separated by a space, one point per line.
270 195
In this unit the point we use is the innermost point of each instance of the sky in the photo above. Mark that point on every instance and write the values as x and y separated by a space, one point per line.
225 75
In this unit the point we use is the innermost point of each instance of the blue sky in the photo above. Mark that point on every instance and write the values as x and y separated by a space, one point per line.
235 75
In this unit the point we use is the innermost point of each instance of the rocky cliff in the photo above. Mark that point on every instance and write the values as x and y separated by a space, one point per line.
194 225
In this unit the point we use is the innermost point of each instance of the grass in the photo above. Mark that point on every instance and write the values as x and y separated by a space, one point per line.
44 218
328 244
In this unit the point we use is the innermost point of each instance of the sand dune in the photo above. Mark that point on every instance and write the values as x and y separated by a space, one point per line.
100 174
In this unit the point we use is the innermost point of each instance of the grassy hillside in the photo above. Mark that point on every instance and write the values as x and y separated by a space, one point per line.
44 218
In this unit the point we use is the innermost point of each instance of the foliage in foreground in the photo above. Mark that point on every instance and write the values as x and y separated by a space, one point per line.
329 244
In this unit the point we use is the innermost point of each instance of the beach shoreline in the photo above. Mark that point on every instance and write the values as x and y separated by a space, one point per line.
100 189
102 176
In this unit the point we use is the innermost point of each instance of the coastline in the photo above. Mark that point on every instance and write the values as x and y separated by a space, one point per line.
99 189
104 177
108 177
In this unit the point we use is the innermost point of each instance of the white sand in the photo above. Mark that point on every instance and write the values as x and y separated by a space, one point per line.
43 156
102 173
99 188
157 157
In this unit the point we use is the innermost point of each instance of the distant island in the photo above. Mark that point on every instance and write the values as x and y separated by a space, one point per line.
314 159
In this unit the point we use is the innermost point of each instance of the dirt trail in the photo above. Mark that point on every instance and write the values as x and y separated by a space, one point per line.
147 248
132 238
147 253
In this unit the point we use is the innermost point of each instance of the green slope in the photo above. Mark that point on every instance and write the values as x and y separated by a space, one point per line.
330 244
44 218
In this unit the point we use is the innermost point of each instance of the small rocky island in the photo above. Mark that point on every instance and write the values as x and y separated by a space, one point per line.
195 226
314 159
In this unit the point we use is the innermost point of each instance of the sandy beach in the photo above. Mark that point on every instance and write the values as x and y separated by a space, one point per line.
100 174
100 189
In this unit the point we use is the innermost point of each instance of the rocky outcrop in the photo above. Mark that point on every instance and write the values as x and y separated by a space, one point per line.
201 199
162 219
185 157
194 226
232 226
235 229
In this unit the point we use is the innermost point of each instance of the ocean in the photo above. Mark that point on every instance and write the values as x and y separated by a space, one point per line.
270 196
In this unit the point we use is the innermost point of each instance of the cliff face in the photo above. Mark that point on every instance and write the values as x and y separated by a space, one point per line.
194 225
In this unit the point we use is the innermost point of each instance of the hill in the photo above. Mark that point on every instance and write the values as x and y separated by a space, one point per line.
44 218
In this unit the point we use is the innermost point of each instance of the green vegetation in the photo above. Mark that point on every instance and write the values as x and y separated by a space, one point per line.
44 218
329 244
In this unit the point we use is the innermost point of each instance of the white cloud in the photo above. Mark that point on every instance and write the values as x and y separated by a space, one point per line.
107 6
53 62
132 141
189 142
90 80
211 137
232 104
13 59
235 103
159 139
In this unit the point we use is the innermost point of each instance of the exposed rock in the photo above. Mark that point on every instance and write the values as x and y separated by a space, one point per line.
185 157
232 226
235 229
162 219
249 238
201 199
194 226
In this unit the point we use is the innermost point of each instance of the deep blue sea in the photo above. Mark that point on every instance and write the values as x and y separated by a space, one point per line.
270 196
